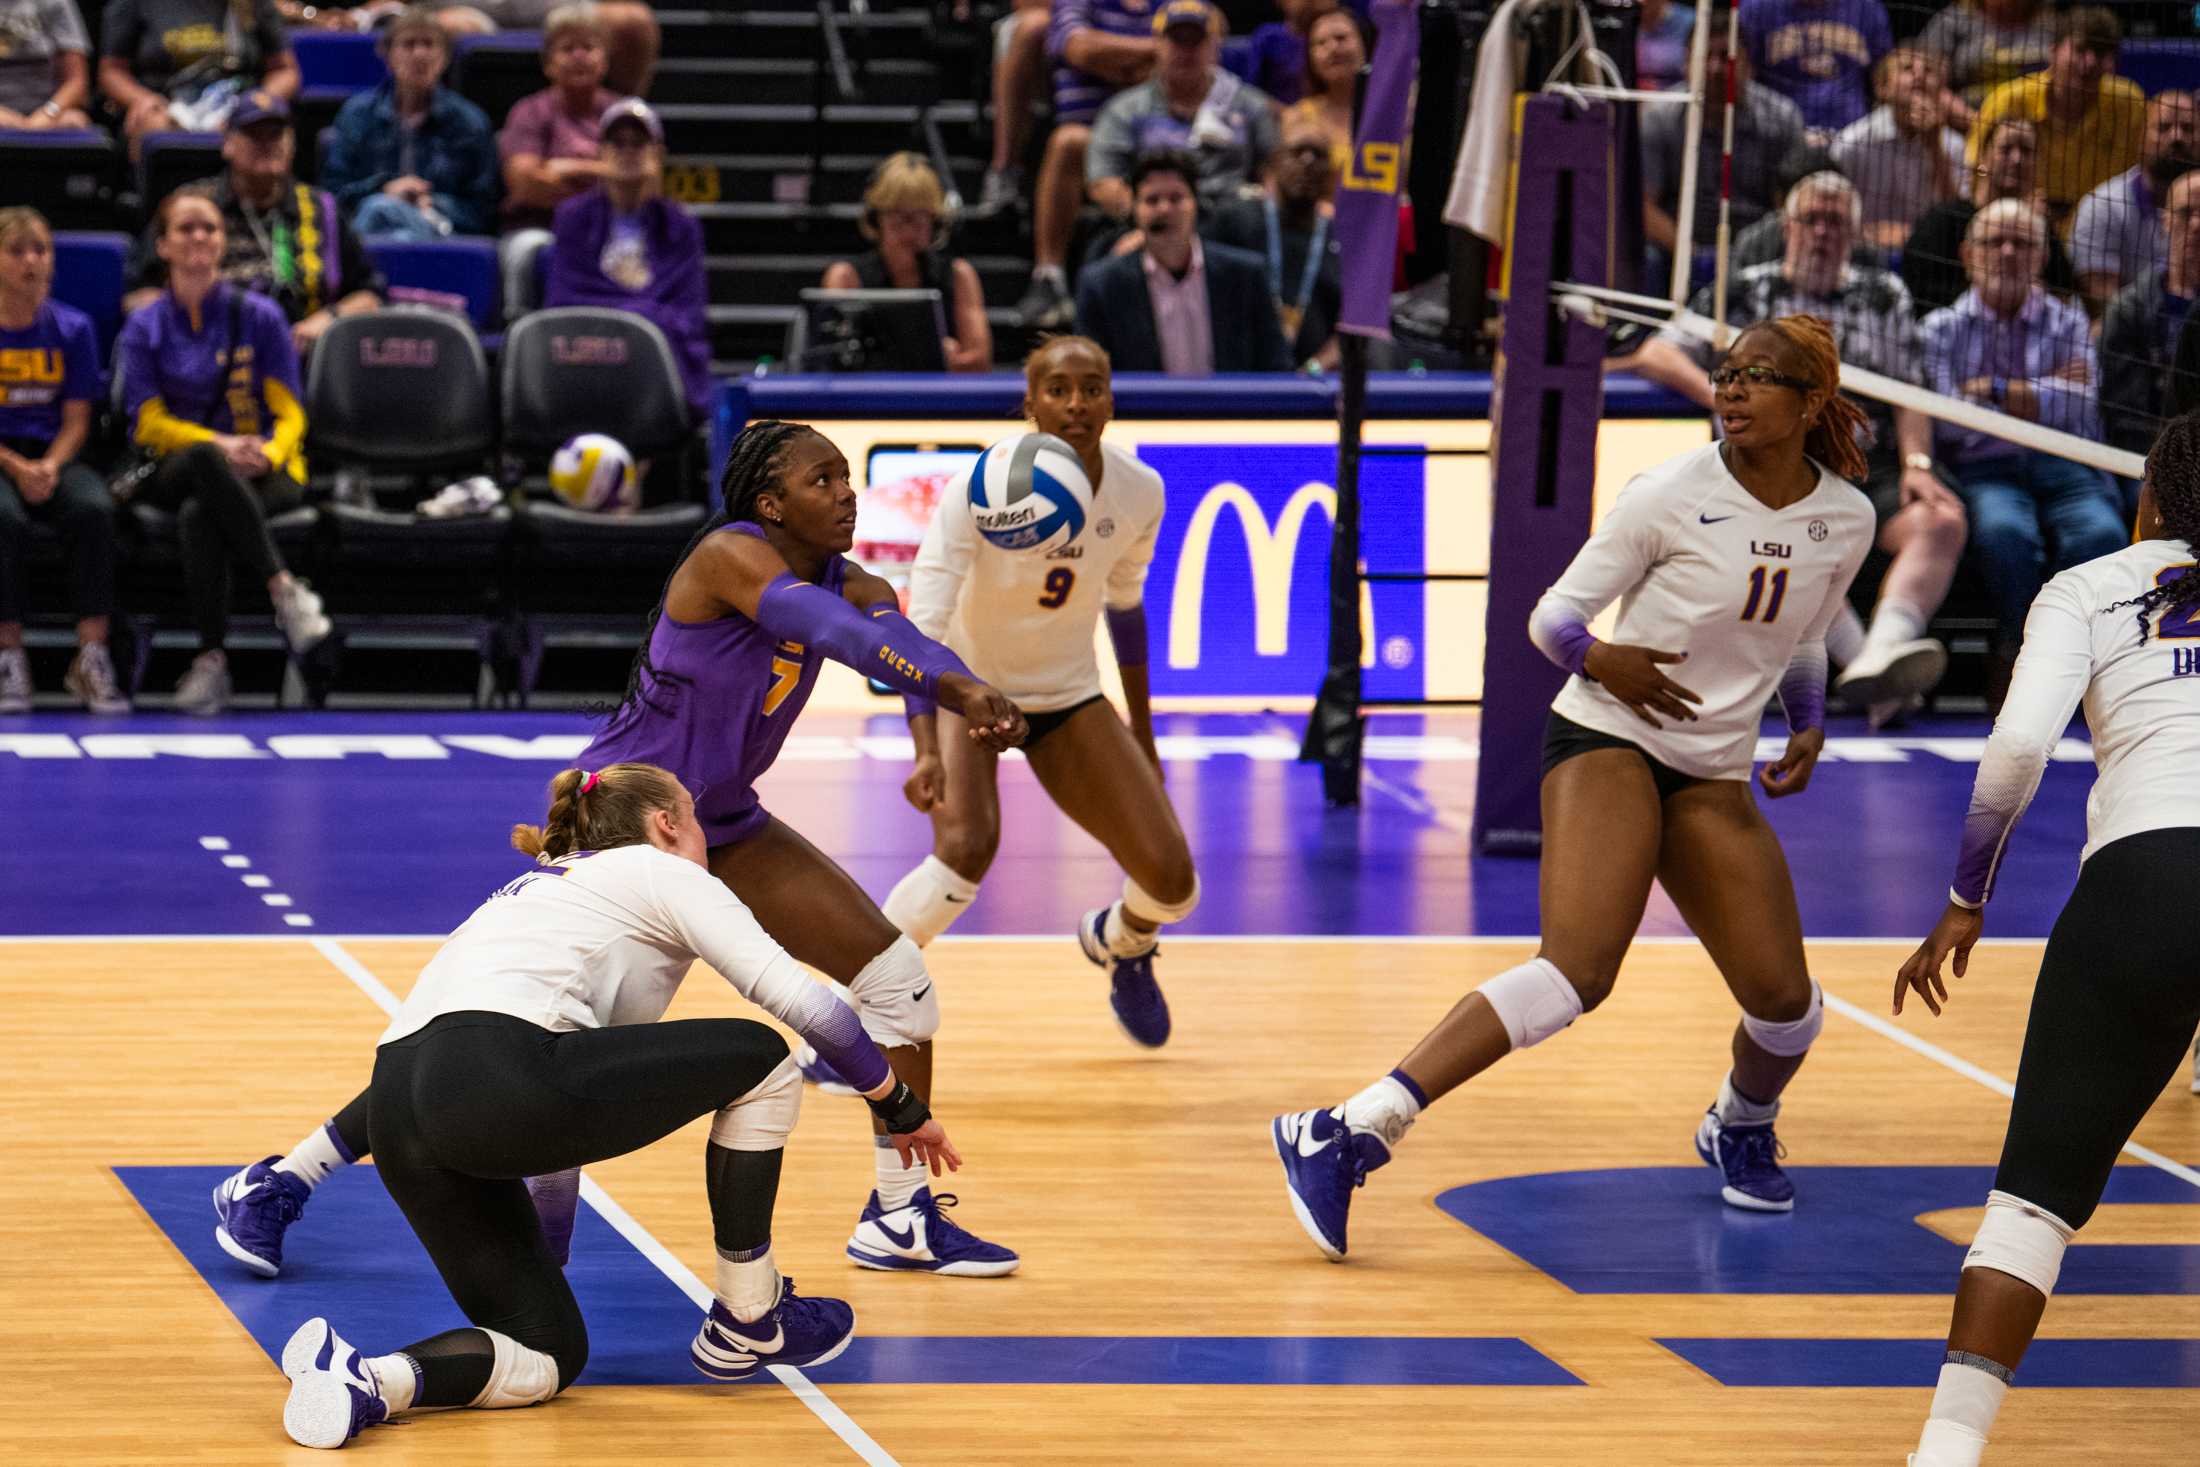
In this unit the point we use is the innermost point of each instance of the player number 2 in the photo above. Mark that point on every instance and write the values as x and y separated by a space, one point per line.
2177 626
1059 580
1757 594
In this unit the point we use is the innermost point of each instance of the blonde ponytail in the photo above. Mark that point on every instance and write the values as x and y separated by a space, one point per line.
598 810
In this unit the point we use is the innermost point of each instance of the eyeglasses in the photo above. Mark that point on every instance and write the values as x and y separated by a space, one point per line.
1755 377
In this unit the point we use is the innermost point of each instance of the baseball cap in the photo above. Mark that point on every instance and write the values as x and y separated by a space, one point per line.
632 109
1185 12
255 107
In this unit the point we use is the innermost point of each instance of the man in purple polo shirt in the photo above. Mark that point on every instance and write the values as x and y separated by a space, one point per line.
2117 237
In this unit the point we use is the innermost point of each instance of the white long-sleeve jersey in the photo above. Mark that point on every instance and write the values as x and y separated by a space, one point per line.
1701 566
1024 622
2142 704
604 937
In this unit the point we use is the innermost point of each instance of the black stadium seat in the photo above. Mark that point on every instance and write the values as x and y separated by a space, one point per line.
67 176
398 403
169 160
582 370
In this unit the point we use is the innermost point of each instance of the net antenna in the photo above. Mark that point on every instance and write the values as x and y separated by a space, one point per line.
1726 181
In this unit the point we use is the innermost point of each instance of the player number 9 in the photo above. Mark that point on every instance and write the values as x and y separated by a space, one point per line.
1059 581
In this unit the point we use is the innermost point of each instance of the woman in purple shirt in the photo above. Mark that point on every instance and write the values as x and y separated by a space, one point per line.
210 393
49 375
626 246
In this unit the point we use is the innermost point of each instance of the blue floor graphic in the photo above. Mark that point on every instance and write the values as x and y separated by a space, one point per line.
352 1258
396 823
2101 1364
1663 1230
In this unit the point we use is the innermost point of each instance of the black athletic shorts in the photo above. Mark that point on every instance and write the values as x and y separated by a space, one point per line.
1042 724
1563 739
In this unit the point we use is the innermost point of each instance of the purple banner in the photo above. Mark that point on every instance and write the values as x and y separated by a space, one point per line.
1374 177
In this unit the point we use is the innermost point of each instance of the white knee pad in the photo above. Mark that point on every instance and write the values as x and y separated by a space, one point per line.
762 1119
2021 1240
1796 1035
896 999
518 1376
1533 1001
1143 903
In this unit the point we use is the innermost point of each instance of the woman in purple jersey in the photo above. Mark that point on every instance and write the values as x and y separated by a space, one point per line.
728 659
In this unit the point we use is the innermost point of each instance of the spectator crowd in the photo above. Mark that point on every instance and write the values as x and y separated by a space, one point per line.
1980 203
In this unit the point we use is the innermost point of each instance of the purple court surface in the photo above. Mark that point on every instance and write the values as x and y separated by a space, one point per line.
395 823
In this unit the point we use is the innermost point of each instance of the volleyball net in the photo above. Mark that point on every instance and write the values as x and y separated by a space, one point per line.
1999 213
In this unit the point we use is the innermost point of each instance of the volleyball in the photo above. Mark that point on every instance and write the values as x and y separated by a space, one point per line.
593 471
1029 493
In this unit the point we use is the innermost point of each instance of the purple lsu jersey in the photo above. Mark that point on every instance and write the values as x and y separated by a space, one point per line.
714 707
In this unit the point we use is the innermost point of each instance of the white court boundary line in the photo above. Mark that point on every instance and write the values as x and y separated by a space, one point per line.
1988 1078
805 1390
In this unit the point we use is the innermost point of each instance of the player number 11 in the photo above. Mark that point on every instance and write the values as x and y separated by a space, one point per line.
1757 594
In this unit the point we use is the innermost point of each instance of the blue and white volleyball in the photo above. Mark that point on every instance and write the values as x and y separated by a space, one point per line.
593 471
1029 493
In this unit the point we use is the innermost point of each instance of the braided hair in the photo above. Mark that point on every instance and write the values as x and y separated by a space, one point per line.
1832 439
598 811
2173 472
751 467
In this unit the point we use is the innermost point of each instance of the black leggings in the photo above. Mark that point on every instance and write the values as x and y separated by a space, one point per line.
462 1111
220 519
84 512
2113 1015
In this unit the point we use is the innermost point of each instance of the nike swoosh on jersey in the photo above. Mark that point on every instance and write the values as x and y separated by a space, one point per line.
1704 519
958 901
918 996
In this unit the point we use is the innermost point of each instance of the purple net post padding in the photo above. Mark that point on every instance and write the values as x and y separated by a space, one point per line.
1543 480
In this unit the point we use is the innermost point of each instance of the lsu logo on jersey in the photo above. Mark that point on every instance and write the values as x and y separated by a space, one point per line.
29 376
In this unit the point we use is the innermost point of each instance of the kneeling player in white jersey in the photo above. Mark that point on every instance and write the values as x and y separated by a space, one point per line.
1025 624
529 1046
1730 561
2118 996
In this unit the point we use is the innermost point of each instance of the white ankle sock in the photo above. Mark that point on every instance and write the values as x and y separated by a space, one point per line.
1963 1408
1053 273
396 1380
896 1183
1893 624
1122 939
927 901
1386 1107
1737 1109
748 1287
312 1159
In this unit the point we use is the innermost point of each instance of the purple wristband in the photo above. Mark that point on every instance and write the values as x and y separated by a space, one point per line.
1127 630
